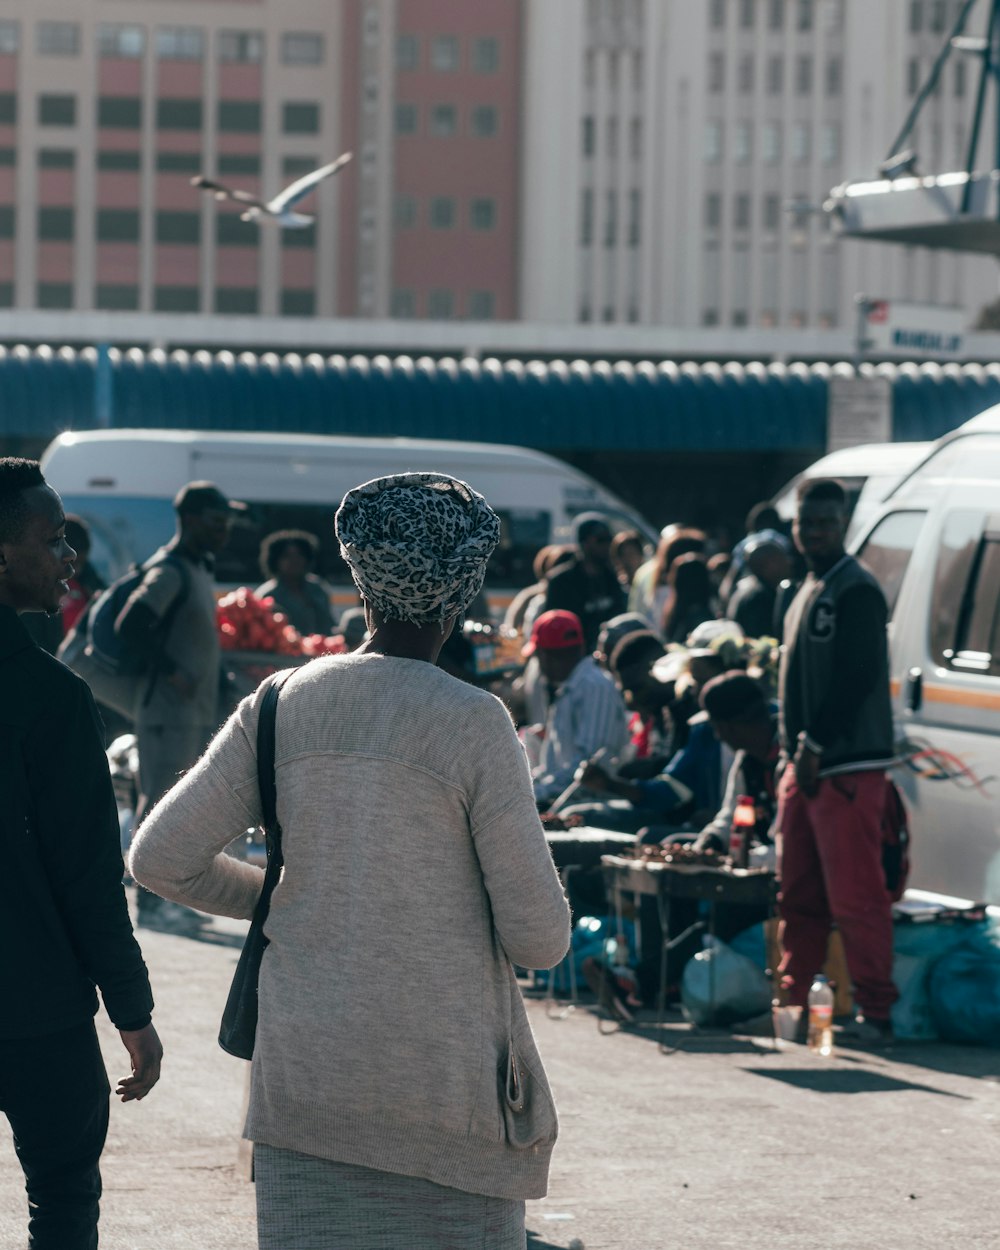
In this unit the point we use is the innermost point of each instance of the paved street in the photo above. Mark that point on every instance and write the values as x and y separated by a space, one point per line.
725 1143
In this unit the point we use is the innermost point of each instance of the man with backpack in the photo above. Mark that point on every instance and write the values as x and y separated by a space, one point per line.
64 923
168 622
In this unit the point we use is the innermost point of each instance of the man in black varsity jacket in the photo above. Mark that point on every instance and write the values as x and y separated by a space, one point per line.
64 924
837 733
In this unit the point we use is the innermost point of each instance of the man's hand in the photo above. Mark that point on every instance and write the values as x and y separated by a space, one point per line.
806 764
593 777
182 684
145 1051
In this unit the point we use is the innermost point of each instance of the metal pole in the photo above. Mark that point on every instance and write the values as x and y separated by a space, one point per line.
977 116
863 305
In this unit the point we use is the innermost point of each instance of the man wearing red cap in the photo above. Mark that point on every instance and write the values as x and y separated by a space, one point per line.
586 713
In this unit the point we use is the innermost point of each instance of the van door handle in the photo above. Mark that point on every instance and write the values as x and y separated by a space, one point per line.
914 689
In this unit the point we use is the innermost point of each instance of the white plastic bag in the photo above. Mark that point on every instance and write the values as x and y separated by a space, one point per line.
721 987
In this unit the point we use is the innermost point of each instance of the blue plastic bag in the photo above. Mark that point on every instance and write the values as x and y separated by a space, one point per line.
722 987
965 991
917 948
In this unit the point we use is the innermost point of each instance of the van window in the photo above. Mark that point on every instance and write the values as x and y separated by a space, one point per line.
888 548
126 530
965 625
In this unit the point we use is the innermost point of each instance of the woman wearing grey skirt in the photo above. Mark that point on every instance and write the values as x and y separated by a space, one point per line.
397 1097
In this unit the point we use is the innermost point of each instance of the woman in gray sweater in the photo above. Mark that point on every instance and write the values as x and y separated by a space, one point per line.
397 1097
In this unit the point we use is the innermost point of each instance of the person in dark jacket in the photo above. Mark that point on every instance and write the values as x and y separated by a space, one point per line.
837 732
64 923
754 603
588 584
287 558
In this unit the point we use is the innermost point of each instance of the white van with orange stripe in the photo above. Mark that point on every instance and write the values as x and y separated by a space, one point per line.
935 547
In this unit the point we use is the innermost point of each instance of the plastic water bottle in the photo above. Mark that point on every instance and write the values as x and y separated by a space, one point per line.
821 1017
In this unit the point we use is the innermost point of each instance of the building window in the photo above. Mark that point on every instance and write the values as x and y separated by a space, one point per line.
304 237
804 75
482 306
913 76
635 138
54 295
485 55
406 119
611 218
302 48
747 14
117 225
119 161
180 43
407 52
58 39
128 42
119 112
178 162
916 16
484 121
56 158
482 214
800 143
8 216
405 212
8 107
236 300
612 137
440 305
10 37
959 87
300 118
404 303
442 212
713 142
772 212
244 47
770 143
713 210
178 299
178 114
235 163
716 71
804 15
57 110
56 223
834 75
939 16
298 303
776 14
739 318
444 52
239 116
634 218
741 212
775 75
443 121
830 143
297 166
587 217
746 72
833 16
116 298
710 317
717 14
232 231
742 142
178 227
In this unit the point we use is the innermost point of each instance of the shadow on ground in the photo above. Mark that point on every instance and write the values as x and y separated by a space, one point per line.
848 1081
538 1243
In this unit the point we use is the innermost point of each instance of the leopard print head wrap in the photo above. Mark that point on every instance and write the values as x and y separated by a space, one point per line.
417 544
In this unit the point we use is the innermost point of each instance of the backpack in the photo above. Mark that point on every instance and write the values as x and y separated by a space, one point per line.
895 843
95 650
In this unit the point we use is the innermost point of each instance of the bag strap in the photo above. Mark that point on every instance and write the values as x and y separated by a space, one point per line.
266 781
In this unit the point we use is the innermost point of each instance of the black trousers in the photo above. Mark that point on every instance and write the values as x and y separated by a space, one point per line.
54 1091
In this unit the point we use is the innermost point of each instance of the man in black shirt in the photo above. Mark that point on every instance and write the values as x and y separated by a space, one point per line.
588 585
64 924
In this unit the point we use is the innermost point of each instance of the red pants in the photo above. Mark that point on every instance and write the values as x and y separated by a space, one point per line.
831 873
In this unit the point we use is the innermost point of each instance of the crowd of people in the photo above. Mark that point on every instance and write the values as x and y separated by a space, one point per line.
674 695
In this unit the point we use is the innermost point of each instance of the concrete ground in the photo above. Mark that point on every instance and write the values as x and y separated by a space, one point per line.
723 1143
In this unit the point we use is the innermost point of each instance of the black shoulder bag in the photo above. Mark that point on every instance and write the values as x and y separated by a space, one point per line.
239 1019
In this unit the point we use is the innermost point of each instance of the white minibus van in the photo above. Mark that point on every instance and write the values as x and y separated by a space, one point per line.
122 482
935 548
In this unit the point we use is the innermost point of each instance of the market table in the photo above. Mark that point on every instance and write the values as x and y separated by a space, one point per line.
666 881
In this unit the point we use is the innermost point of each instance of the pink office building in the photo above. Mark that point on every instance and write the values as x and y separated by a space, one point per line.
108 110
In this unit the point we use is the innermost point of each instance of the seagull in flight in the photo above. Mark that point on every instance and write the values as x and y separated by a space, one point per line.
280 210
